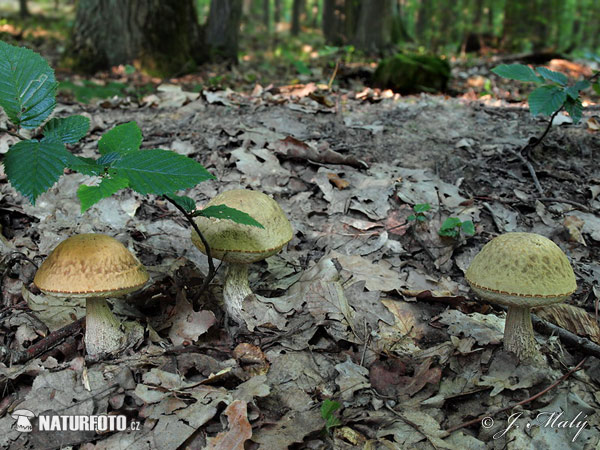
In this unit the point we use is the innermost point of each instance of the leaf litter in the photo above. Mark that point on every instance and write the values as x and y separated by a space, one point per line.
364 307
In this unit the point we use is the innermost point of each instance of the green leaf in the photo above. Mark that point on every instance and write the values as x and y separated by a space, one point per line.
421 207
518 72
328 407
450 227
551 75
573 91
187 203
160 171
32 167
68 130
411 217
27 86
468 228
546 99
86 166
574 108
596 87
90 195
121 139
225 212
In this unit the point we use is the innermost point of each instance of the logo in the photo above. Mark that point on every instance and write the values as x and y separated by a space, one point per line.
22 417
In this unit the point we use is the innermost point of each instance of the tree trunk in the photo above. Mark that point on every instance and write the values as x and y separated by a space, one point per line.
160 37
374 27
423 22
277 13
222 29
23 10
297 8
267 15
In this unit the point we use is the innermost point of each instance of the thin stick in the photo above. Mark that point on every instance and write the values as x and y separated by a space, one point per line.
523 402
524 160
211 266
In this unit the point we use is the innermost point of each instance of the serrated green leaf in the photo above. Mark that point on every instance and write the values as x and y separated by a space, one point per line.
411 217
160 171
108 159
468 228
225 212
517 72
32 167
574 108
90 195
573 91
546 99
86 166
27 86
328 407
121 139
596 88
421 207
68 130
551 75
450 222
187 203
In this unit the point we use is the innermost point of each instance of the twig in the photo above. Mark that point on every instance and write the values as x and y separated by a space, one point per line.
211 266
47 343
523 402
525 161
580 343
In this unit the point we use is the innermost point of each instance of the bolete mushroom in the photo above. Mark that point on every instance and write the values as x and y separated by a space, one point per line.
93 267
23 416
521 271
239 245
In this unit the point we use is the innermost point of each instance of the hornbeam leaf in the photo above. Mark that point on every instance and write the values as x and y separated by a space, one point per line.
546 99
225 212
121 139
159 171
33 167
68 130
27 86
90 195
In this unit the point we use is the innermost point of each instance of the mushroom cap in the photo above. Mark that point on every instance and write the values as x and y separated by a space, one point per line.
90 265
236 243
22 413
521 269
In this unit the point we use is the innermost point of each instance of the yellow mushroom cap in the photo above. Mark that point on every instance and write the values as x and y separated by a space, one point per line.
237 243
522 269
90 265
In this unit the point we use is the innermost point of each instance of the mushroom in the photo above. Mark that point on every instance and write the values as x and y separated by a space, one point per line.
521 271
93 267
239 245
22 417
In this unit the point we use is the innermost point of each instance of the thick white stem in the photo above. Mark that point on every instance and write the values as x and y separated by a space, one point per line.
518 335
235 290
102 329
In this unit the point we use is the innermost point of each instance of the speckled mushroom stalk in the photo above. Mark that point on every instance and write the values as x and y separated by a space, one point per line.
521 271
239 245
93 267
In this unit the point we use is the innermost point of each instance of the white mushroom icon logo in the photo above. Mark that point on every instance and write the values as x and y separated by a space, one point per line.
23 423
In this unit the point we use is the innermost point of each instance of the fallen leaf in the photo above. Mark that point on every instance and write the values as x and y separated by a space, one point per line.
239 430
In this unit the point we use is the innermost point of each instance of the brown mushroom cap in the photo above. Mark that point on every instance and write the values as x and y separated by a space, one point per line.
522 269
90 265
236 243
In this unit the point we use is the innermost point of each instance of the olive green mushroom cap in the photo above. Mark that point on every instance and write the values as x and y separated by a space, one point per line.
236 243
90 265
521 269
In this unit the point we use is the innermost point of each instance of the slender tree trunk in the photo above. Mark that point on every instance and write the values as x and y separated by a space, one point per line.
423 21
161 36
277 12
23 10
267 15
222 29
297 8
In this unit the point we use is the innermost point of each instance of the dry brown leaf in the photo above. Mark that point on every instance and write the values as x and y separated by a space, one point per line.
571 318
338 182
239 430
593 124
574 225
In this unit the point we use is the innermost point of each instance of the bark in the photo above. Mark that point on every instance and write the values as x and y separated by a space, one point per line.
374 27
297 9
277 12
160 37
222 29
267 15
423 21
23 10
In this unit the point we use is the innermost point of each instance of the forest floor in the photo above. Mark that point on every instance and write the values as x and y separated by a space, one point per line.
363 307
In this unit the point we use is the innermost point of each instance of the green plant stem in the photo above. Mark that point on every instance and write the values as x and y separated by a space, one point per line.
211 266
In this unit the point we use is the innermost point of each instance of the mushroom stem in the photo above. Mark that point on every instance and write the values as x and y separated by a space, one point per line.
235 290
102 329
518 335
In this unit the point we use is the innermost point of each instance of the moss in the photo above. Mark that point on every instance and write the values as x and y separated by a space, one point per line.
412 73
